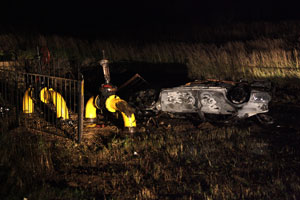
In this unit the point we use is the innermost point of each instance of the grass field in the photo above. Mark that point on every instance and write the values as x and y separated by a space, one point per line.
174 161
178 158
261 50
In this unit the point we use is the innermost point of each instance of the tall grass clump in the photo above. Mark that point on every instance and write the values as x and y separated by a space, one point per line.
174 160
241 51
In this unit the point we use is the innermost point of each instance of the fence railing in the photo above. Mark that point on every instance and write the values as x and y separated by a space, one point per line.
42 102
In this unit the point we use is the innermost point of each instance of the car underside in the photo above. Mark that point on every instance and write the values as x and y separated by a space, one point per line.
213 97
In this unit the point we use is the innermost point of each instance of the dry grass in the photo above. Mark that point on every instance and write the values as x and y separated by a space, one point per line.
171 162
249 51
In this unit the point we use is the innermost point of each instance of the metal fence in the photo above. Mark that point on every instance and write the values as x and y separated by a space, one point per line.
42 103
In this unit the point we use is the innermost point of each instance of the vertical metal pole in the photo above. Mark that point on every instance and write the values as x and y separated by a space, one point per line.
72 89
66 96
80 107
55 119
32 82
74 95
61 97
5 86
41 104
46 110
2 84
39 71
1 79
70 94
17 99
58 68
54 68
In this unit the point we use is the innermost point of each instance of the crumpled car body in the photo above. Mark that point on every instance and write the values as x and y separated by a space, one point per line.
238 99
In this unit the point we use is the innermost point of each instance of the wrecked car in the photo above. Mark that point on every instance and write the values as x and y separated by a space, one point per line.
236 100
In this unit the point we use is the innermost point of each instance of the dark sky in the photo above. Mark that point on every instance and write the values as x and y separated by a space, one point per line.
85 16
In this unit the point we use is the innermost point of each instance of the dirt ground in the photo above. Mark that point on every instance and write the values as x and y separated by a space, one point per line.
169 157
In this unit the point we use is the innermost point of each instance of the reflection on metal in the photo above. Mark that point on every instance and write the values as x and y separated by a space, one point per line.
28 106
90 110
50 96
223 98
80 107
105 66
114 103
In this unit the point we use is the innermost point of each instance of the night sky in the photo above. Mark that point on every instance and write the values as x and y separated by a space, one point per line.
84 17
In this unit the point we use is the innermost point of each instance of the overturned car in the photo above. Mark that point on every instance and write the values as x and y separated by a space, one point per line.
236 100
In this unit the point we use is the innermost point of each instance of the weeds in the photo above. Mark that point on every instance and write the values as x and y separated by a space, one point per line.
212 163
171 161
256 51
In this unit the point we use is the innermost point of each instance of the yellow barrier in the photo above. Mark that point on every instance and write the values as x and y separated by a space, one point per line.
28 106
50 96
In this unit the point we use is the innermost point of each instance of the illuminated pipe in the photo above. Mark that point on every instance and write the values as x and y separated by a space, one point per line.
113 103
28 106
50 96
90 110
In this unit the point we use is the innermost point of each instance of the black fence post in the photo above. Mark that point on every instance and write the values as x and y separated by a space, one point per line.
80 107
17 98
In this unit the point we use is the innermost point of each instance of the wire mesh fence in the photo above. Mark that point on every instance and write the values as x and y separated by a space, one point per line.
42 102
